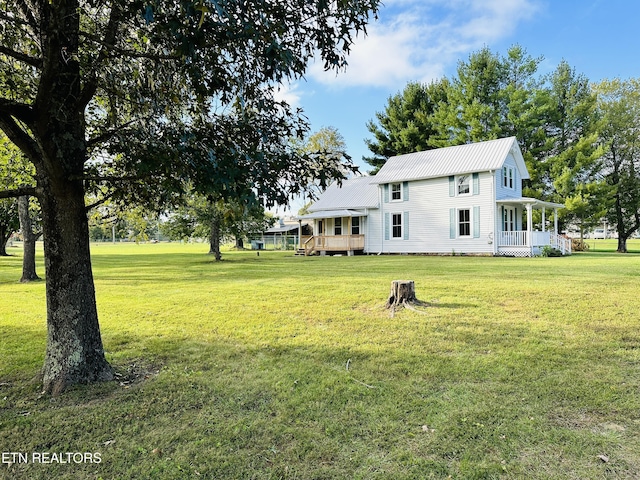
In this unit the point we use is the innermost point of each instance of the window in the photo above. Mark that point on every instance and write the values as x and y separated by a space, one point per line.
337 226
464 187
396 191
508 175
396 225
355 226
464 223
320 227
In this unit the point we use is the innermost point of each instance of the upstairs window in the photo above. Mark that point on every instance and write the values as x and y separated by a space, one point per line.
464 185
508 174
396 192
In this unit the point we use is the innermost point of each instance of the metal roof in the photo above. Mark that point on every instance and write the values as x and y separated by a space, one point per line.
355 193
331 214
442 162
535 203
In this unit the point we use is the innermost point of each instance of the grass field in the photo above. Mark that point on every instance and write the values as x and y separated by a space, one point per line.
279 367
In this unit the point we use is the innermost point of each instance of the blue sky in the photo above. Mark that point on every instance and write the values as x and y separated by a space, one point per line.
422 40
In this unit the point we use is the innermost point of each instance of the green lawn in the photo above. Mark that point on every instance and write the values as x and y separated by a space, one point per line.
279 367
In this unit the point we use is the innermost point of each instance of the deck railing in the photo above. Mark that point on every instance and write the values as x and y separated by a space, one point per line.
334 243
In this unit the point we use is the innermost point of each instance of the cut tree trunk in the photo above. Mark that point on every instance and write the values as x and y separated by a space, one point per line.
402 291
29 242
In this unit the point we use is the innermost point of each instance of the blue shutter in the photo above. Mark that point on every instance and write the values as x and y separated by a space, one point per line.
406 225
452 186
476 184
476 222
386 226
405 191
386 192
452 223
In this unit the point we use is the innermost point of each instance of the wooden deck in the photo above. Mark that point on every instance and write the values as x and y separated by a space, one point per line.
333 243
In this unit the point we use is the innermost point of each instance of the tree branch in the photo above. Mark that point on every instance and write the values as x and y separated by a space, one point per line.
19 192
19 110
21 57
103 137
108 43
19 137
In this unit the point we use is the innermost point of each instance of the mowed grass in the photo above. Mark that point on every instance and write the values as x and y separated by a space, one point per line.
279 367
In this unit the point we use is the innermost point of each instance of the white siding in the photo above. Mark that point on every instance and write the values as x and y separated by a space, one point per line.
501 191
429 205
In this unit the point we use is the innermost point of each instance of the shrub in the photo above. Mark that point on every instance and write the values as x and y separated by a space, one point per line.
578 245
549 251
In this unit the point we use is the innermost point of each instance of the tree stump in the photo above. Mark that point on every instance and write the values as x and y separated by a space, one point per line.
402 291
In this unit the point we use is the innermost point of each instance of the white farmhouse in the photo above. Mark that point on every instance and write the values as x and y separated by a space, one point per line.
465 199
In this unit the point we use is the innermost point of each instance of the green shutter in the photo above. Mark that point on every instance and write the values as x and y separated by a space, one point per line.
386 192
405 191
452 186
476 184
406 225
452 223
476 222
386 226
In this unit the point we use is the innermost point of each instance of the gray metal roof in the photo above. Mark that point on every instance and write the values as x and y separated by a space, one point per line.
331 214
355 193
469 158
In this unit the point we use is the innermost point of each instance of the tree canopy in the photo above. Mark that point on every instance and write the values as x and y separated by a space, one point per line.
131 100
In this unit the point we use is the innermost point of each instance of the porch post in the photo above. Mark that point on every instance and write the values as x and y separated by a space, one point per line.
555 221
529 225
299 233
544 219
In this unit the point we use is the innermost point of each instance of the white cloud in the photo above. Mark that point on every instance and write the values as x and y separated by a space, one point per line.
417 40
288 93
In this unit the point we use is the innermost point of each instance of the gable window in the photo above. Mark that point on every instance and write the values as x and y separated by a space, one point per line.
464 185
337 226
396 225
464 222
355 226
396 192
508 174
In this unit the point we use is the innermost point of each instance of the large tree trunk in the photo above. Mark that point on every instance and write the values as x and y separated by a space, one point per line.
622 244
5 235
74 345
29 241
214 237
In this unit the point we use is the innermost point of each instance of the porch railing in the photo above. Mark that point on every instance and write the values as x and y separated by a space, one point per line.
538 239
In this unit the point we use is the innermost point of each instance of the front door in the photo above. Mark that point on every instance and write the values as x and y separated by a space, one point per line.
509 219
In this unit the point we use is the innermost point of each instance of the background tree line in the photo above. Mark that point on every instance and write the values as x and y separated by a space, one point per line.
579 139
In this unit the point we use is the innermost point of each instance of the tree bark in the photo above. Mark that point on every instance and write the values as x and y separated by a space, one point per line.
74 346
29 241
4 239
402 291
214 237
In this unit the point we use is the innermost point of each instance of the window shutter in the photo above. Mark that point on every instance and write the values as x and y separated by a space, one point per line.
452 186
452 223
386 192
405 191
476 184
386 226
476 222
406 225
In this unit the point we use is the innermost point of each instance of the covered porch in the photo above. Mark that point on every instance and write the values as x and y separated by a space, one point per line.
518 240
334 231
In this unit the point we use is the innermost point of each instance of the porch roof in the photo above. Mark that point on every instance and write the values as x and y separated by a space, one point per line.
331 214
534 202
